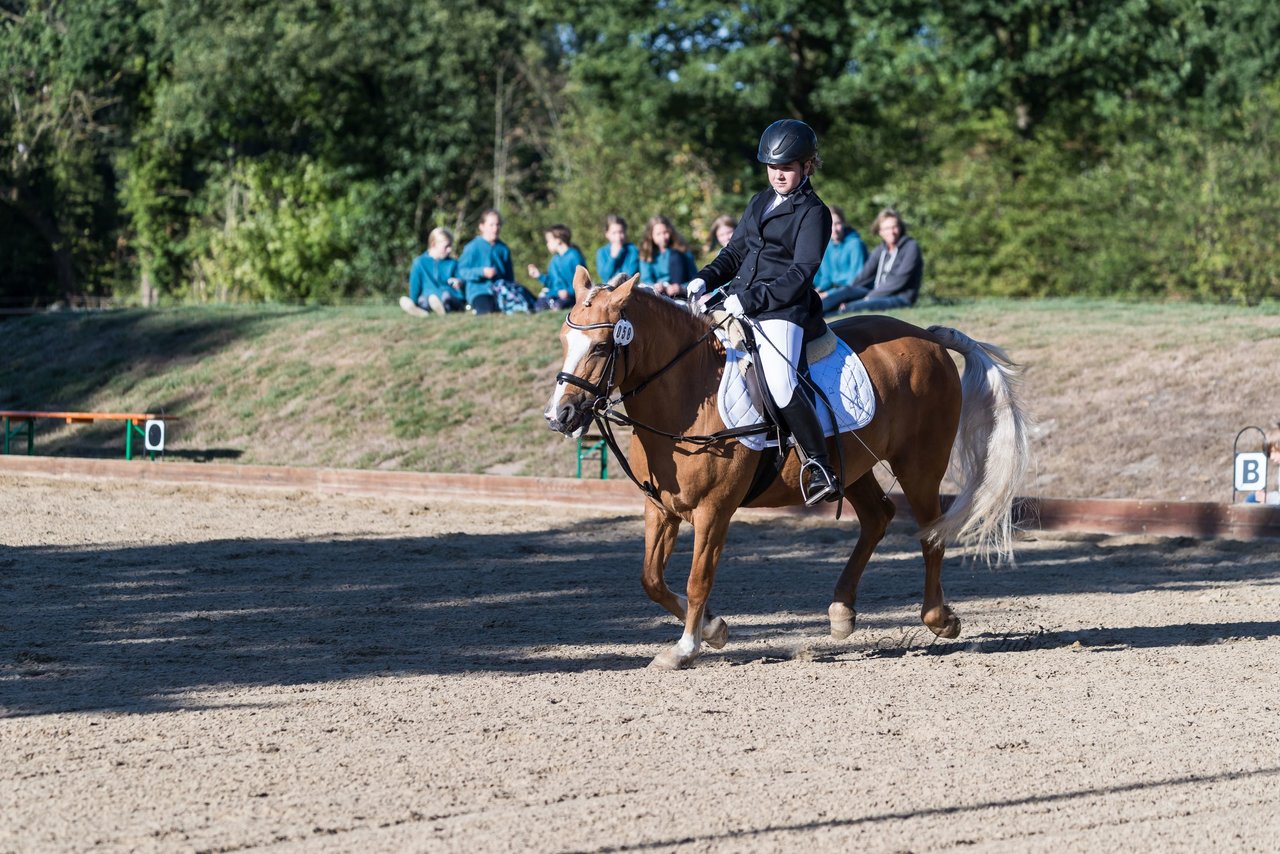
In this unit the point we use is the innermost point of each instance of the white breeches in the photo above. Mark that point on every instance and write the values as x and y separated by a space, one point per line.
780 344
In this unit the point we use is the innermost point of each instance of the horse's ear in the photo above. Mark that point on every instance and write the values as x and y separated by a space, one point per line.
581 283
623 290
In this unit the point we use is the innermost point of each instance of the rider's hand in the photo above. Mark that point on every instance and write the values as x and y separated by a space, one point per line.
733 305
695 289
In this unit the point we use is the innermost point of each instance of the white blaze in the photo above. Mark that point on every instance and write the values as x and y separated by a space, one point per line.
578 345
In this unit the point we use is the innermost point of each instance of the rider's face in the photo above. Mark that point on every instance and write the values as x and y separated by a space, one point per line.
786 177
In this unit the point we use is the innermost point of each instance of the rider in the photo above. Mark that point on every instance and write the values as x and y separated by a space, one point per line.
765 274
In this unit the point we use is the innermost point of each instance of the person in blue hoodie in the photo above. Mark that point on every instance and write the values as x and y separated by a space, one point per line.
433 278
557 284
666 263
618 255
845 255
488 273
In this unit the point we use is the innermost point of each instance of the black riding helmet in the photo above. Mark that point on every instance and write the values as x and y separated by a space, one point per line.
787 141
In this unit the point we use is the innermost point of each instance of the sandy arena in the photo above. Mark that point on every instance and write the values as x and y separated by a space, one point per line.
213 670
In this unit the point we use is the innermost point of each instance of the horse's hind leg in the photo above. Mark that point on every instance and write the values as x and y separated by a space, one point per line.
660 531
875 511
921 491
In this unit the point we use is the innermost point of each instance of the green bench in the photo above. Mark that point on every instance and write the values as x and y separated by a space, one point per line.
19 423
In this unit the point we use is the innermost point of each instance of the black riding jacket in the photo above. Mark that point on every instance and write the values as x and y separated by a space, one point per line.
770 261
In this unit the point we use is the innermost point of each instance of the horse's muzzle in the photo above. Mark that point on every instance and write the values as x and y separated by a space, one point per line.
566 419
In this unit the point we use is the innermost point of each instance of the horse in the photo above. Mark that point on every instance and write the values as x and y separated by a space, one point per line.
661 361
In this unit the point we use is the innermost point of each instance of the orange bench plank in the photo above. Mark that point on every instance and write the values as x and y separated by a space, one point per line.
87 416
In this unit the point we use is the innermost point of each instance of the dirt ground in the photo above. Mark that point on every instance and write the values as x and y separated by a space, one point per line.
216 670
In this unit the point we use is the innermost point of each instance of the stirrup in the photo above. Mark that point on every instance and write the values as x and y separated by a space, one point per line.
830 490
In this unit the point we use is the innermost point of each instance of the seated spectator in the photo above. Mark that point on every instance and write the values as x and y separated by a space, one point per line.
843 260
891 277
666 264
618 255
488 276
433 278
720 234
1270 447
557 284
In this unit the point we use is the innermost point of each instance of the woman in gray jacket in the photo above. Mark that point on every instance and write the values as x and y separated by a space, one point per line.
891 277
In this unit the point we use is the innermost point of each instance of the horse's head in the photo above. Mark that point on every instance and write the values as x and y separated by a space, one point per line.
594 335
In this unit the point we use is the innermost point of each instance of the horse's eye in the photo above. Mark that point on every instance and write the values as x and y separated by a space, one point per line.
599 348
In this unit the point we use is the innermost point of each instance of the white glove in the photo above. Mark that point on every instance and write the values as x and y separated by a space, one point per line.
695 288
733 305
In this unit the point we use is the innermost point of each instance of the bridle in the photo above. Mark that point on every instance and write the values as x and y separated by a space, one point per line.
605 411
601 405
601 392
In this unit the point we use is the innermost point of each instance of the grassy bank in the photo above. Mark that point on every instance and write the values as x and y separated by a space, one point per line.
1131 400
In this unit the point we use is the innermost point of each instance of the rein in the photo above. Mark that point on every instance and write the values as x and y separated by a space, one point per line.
605 411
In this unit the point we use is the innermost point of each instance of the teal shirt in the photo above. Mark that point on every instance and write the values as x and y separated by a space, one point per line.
559 275
430 276
627 262
841 262
477 255
668 266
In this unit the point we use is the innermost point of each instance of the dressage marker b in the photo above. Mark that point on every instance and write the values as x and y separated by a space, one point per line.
1250 467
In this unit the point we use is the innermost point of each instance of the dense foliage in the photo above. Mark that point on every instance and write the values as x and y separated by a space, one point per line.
299 150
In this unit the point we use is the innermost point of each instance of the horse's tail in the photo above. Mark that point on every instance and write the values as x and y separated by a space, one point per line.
992 452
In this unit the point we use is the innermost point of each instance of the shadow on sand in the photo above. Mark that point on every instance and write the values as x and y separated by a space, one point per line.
134 628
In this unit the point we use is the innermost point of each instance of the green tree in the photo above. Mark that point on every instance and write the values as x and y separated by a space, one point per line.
69 75
403 115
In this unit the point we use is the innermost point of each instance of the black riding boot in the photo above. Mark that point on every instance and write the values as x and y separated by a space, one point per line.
818 478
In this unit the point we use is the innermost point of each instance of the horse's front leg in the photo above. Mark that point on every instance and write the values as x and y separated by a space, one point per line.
660 530
710 526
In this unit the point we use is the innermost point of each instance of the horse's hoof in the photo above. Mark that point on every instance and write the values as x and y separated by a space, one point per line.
716 633
842 618
944 623
671 659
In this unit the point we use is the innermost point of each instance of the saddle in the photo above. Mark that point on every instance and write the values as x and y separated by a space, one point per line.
846 400
740 336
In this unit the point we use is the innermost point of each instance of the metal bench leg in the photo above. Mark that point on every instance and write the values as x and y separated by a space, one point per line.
587 452
9 433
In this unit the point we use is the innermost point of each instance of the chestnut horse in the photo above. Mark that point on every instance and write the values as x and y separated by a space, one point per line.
659 360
